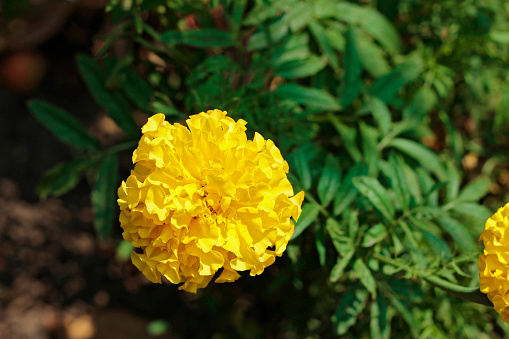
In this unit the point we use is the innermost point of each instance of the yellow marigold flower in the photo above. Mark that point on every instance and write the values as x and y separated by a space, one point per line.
493 263
204 199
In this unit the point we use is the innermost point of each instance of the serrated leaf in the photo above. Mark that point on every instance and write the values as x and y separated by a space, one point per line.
365 276
348 192
63 126
310 97
476 189
351 84
309 214
329 181
104 196
115 104
376 194
351 306
374 235
462 237
427 158
61 178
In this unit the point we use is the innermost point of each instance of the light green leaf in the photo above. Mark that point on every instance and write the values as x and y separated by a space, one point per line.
63 126
302 169
374 235
339 268
476 189
365 276
377 25
370 150
329 181
424 100
376 194
310 97
104 195
427 158
380 326
309 214
349 137
298 15
372 57
438 245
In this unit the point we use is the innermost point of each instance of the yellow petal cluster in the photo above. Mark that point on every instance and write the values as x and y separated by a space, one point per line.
203 199
493 263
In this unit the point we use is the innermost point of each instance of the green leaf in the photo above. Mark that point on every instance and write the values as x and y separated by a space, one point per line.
61 178
124 250
321 245
136 88
387 86
158 327
438 245
348 192
349 137
203 38
115 104
380 28
351 306
329 181
365 276
266 36
323 41
351 84
310 97
369 147
424 100
427 158
376 194
339 268
63 126
302 169
453 182
104 195
298 15
372 57
301 68
462 237
379 324
476 189
309 214
374 235
295 48
471 209
398 181
380 113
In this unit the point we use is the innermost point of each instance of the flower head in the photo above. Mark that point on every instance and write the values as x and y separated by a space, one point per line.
493 263
205 198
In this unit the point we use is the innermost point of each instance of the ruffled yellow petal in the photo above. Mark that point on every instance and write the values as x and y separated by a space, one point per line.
205 199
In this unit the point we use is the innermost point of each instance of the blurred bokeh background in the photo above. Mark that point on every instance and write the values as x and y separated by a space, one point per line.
333 83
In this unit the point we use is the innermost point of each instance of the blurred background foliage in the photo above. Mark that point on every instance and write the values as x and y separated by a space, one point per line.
392 114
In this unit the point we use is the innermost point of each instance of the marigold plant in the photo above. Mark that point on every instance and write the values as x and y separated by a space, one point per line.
205 198
494 261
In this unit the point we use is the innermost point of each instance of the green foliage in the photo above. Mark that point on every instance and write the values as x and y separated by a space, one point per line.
349 93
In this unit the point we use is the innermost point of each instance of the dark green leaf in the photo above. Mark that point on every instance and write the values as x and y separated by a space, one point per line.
380 28
424 100
301 68
339 268
302 169
371 56
321 245
351 306
63 126
438 245
136 88
380 325
370 150
380 113
462 237
329 181
323 41
349 137
476 189
114 103
387 86
351 84
309 214
104 195
376 194
347 193
207 37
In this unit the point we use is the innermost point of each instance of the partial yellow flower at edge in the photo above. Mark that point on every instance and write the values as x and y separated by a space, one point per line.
203 199
493 263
